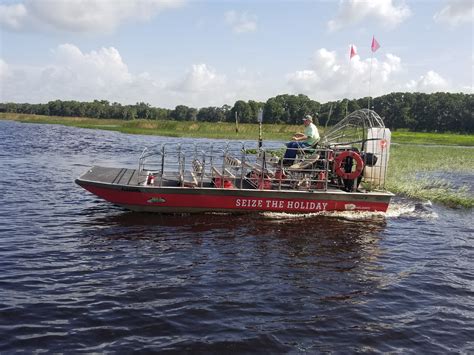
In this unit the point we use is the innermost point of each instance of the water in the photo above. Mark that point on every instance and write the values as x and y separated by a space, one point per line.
80 275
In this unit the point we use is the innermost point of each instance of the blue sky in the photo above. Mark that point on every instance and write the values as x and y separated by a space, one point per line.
210 53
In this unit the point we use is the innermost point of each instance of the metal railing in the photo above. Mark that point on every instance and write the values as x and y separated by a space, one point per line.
239 165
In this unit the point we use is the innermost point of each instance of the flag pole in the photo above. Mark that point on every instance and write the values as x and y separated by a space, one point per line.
349 81
370 79
373 47
352 53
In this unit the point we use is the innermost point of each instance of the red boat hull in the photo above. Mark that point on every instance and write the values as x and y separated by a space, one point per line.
189 200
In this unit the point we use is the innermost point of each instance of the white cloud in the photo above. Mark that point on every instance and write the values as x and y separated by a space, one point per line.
331 78
355 11
324 58
455 13
104 67
241 22
200 78
74 75
430 82
12 16
79 15
102 74
3 68
204 86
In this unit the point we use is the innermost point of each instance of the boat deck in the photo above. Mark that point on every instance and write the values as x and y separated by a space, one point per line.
131 178
119 176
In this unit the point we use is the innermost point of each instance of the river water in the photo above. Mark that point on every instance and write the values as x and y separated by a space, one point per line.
80 275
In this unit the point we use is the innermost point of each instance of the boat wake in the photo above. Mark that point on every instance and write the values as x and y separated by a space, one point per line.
398 209
349 215
411 209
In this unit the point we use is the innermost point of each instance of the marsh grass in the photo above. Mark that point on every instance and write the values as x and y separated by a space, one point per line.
403 136
221 130
407 161
166 128
209 129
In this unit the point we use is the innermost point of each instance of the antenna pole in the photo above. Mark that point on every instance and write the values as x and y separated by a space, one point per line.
370 79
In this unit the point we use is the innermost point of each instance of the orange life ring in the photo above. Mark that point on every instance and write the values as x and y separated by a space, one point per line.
339 163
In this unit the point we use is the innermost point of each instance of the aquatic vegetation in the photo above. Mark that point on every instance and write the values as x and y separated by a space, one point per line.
408 161
404 136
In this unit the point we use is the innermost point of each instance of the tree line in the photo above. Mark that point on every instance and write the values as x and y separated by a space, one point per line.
437 112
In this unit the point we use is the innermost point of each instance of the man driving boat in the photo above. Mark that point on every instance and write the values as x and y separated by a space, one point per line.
309 137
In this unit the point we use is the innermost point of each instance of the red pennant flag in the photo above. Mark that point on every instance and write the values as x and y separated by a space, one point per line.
375 45
353 52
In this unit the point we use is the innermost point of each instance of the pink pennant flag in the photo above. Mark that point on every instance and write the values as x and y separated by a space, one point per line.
353 52
375 45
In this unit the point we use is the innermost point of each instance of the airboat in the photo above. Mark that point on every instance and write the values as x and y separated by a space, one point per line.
344 171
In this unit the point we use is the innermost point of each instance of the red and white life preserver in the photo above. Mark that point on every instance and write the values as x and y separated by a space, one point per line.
340 162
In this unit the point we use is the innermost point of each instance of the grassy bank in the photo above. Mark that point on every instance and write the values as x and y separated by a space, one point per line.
414 169
403 136
427 173
165 128
222 130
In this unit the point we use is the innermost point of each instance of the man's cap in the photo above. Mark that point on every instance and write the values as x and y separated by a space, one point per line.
308 117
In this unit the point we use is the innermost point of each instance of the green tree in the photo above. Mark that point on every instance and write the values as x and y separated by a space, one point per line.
274 111
211 114
180 113
243 111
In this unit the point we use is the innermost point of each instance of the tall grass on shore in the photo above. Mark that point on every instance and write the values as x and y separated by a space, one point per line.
431 173
167 128
404 136
221 130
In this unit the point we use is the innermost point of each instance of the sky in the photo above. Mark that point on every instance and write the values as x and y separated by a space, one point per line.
210 52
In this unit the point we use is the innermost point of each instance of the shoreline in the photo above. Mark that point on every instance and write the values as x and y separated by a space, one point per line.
224 130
